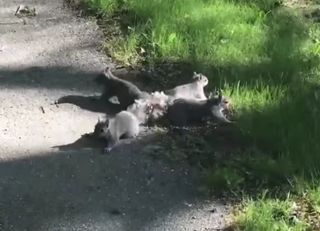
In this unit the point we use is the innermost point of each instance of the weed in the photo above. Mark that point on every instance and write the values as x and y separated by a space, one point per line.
269 214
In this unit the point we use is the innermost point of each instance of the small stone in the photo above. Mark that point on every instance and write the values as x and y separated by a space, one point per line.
42 109
115 212
213 210
188 204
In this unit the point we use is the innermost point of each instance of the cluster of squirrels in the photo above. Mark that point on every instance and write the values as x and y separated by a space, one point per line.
183 105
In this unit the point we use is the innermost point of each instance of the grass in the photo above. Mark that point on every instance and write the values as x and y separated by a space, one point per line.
270 214
266 59
314 198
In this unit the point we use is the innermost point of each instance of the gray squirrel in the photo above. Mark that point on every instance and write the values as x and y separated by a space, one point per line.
123 125
193 90
184 112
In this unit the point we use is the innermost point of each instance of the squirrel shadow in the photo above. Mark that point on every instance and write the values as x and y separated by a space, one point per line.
86 141
90 103
92 141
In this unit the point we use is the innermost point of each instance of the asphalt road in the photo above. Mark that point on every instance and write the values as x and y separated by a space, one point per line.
52 178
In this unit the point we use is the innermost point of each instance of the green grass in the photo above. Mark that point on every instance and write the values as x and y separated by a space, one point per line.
266 59
314 198
269 214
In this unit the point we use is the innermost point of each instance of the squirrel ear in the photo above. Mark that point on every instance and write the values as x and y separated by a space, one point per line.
195 75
